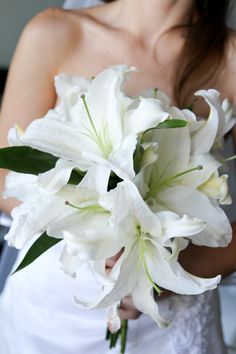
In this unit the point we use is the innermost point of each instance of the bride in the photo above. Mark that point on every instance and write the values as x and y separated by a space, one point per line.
180 46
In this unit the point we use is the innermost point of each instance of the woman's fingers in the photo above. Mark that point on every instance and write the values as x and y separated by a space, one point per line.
110 262
127 310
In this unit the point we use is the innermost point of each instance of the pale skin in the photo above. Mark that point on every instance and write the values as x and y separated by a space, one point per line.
84 42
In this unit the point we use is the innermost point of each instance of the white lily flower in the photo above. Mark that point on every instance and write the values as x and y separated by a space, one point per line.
42 210
87 229
103 128
206 134
173 180
145 261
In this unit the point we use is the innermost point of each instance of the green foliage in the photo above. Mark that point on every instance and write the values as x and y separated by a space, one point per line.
24 159
41 245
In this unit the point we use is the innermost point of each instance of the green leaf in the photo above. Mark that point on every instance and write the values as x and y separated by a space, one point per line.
76 176
172 123
138 153
168 124
113 181
24 159
41 245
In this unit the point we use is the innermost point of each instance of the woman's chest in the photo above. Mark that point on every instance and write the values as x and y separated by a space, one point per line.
157 66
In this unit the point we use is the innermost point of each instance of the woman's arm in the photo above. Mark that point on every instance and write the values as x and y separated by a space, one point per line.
208 262
29 92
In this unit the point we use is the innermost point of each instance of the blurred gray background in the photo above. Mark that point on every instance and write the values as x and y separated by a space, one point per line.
14 14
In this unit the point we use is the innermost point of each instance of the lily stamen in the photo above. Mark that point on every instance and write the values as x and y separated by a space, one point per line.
72 205
89 115
170 180
231 158
97 136
95 208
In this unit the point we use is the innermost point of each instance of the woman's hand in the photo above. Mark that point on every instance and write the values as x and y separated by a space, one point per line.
127 310
110 262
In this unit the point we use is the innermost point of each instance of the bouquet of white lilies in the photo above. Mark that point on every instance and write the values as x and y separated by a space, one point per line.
106 172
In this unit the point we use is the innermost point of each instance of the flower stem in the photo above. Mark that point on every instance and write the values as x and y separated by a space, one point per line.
112 337
154 191
122 333
123 336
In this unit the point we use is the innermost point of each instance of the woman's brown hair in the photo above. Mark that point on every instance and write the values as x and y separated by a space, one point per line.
204 49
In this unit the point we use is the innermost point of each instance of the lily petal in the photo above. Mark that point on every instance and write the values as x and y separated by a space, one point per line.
185 200
203 139
95 180
64 84
209 165
169 274
21 186
217 187
30 219
52 181
172 225
70 263
173 152
154 112
143 299
92 244
115 291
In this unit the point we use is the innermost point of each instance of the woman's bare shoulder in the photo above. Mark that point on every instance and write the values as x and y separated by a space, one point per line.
45 43
51 31
56 22
58 34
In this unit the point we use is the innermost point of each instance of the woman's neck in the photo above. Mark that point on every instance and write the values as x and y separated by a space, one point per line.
149 19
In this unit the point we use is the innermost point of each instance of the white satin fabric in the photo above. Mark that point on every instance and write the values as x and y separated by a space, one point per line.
37 317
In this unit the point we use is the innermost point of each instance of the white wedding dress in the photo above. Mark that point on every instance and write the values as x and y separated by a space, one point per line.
37 316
